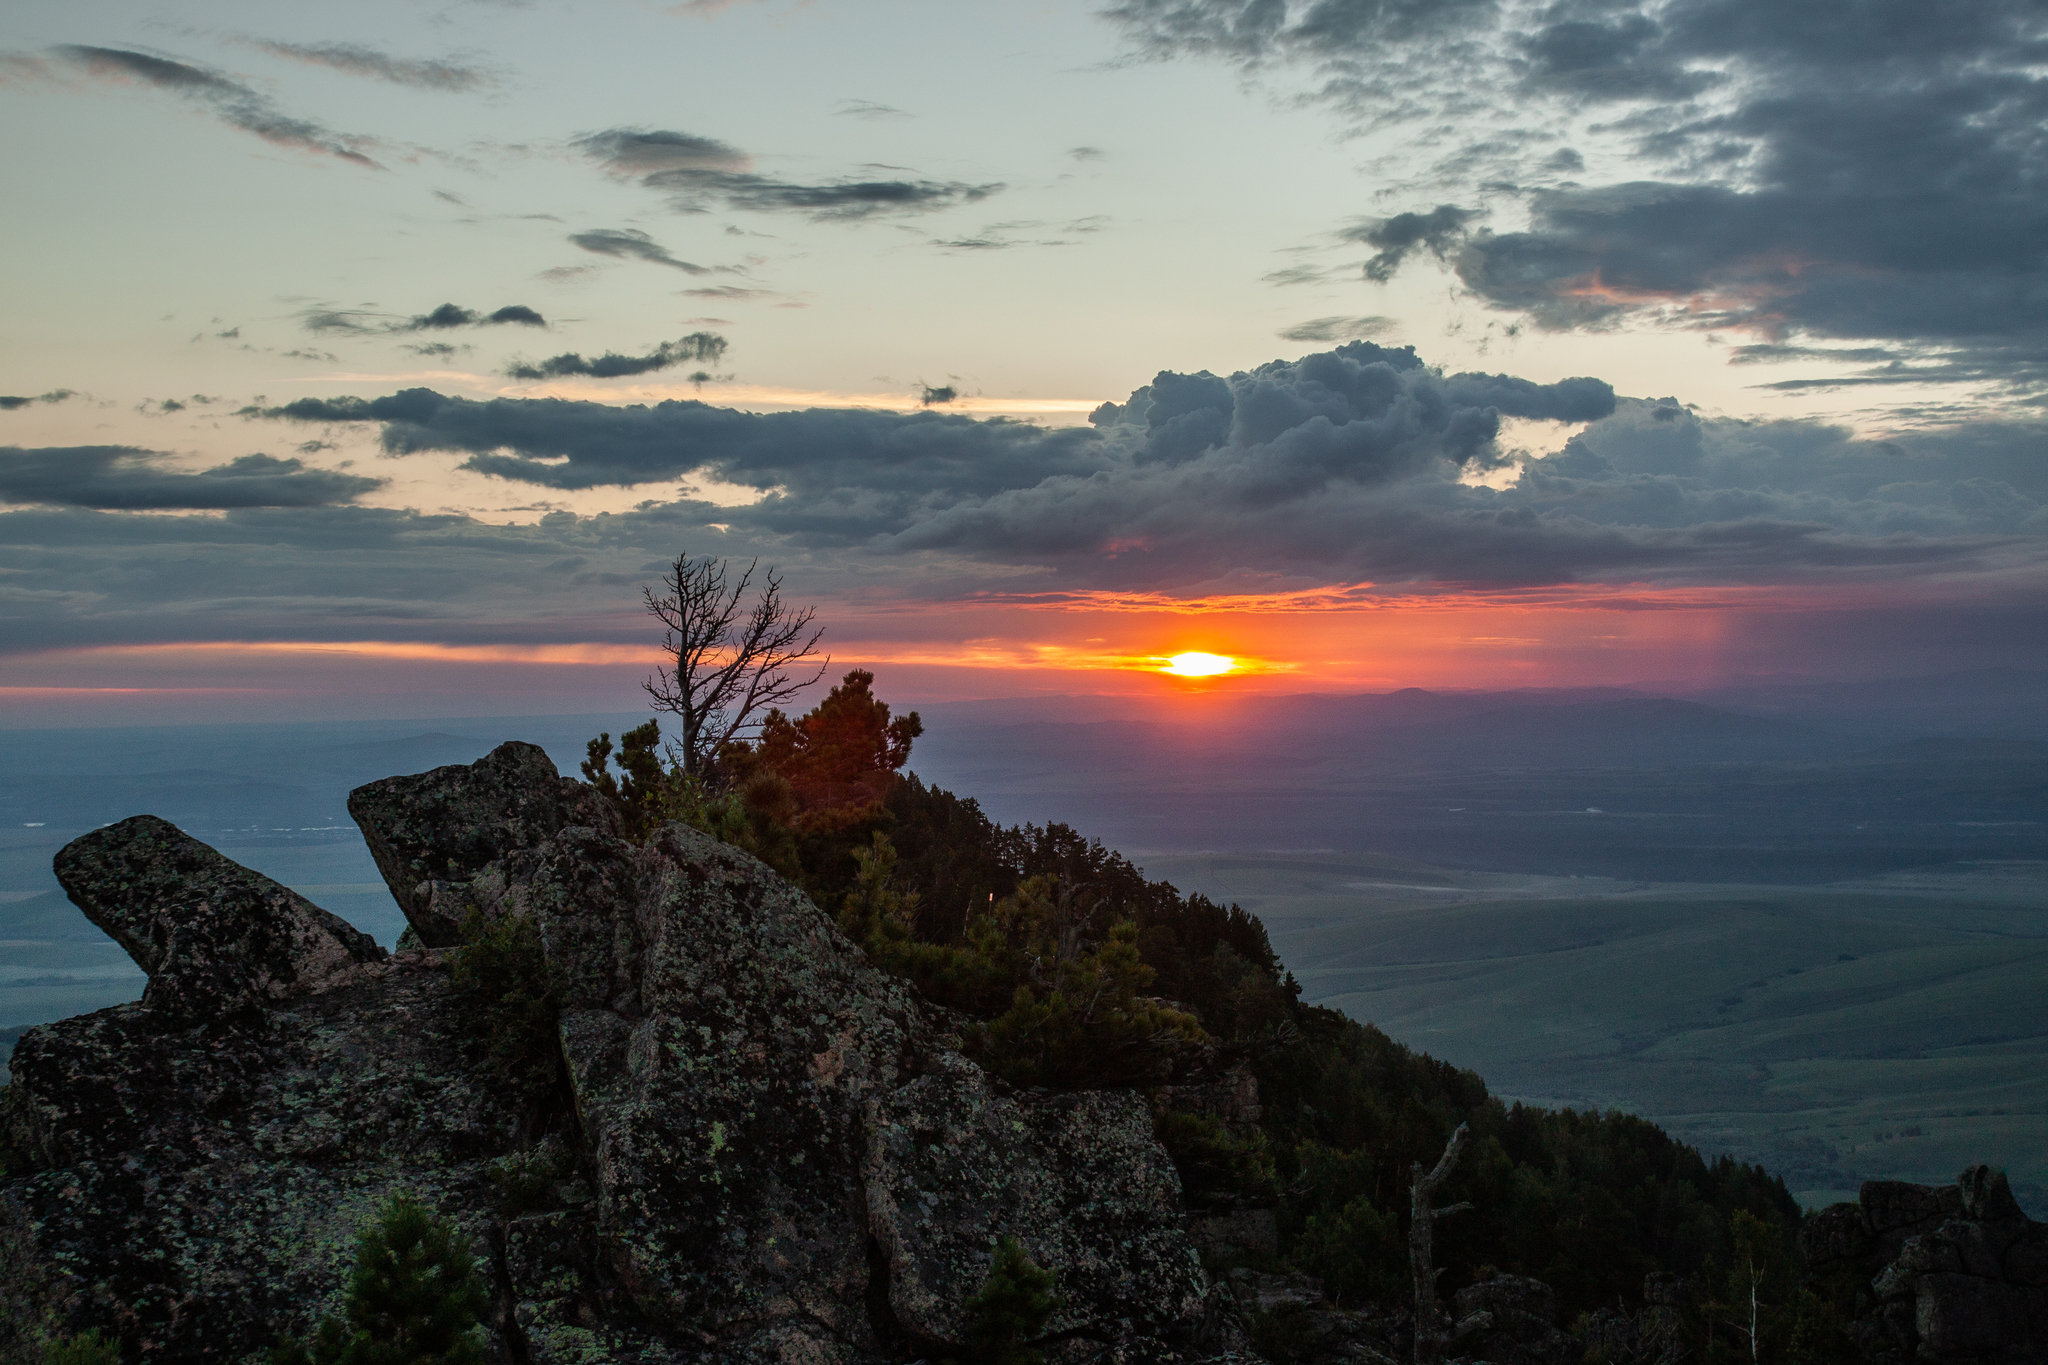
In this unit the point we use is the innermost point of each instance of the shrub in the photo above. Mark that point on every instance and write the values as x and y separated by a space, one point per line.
1015 1303
87 1348
413 1298
503 969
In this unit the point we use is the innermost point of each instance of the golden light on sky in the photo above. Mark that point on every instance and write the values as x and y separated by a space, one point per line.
1198 665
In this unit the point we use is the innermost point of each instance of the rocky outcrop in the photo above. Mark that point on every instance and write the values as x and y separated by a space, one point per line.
212 936
1511 1320
432 832
1956 1273
760 1148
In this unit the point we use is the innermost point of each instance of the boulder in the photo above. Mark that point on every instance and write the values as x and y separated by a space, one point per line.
212 936
1956 1273
446 825
1512 1320
195 1187
953 1166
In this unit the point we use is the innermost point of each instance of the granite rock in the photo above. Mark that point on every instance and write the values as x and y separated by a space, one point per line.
1957 1274
443 826
212 936
761 1148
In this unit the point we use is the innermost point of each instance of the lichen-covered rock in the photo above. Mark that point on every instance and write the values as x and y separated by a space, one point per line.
197 1187
762 1150
1512 1320
1956 1273
723 1119
953 1167
446 825
212 936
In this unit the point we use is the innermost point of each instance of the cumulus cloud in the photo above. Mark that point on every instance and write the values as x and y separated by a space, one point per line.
131 479
230 101
358 60
1789 171
704 347
698 173
630 243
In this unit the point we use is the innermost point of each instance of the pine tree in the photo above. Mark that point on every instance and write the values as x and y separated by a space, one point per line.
1014 1304
413 1298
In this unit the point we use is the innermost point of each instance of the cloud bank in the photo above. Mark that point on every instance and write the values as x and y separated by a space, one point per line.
1350 465
130 479
1870 173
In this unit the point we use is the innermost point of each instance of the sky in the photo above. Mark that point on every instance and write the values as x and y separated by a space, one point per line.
368 361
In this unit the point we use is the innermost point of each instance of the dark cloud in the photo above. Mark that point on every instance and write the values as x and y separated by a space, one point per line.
699 173
232 102
630 243
9 402
732 292
1865 173
359 322
1086 153
1338 329
1299 274
846 199
1403 234
644 151
127 478
453 315
698 346
929 395
357 60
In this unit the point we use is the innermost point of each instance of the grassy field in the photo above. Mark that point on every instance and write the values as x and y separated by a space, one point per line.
1890 1027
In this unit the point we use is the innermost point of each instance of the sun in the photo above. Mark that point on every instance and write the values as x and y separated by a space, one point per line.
1196 665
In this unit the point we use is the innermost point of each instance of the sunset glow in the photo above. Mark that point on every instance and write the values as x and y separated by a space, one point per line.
1198 665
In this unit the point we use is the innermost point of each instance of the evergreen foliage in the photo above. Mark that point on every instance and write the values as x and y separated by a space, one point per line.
414 1297
1075 970
503 969
644 792
87 1348
1015 1303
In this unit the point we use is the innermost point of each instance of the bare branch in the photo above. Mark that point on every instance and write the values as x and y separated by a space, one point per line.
1430 1325
723 675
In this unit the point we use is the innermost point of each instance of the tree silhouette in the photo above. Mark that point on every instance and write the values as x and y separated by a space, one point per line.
729 661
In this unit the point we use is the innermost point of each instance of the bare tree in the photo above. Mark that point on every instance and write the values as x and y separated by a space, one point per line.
1430 1326
731 661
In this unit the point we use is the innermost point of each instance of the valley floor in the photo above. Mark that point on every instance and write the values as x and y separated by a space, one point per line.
1895 1026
